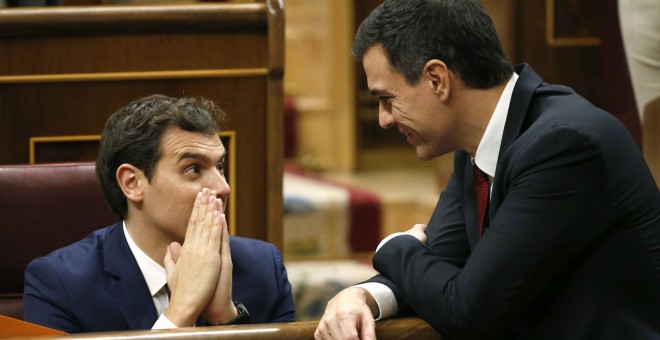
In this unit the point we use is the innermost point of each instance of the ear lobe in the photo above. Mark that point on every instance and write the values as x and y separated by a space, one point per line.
130 181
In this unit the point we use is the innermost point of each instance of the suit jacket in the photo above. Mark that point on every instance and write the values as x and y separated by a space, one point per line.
572 248
95 285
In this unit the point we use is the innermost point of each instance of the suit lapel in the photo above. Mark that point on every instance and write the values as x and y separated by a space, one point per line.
523 92
470 208
128 286
522 96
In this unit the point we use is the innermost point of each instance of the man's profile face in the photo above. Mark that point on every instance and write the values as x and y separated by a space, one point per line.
415 110
189 162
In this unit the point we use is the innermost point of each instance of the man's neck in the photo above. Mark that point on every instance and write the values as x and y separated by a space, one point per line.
476 108
151 243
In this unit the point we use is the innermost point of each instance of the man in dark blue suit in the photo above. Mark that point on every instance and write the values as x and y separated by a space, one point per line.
549 227
170 261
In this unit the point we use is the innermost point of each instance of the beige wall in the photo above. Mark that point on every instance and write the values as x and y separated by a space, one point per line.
319 77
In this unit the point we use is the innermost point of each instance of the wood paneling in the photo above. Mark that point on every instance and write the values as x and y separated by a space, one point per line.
575 64
64 71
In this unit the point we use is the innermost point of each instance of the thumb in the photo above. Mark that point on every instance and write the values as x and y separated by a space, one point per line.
171 258
175 251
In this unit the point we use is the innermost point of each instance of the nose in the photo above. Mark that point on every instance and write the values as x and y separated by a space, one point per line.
218 182
385 118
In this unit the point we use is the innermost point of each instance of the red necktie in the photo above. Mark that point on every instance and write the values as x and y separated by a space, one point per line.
482 187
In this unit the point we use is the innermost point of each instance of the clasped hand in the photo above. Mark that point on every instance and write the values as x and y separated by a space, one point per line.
199 273
350 314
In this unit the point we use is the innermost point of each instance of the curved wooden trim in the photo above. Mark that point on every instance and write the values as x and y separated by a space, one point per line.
390 329
58 139
553 41
42 21
275 123
120 76
231 150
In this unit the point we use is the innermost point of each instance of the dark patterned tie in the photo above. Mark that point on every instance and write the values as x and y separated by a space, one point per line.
482 188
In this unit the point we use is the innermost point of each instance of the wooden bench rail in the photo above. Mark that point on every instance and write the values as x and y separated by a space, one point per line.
398 328
51 21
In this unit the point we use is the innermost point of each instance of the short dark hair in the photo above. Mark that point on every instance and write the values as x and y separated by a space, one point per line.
458 32
133 134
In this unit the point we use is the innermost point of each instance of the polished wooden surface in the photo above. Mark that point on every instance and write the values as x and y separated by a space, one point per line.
65 70
132 19
394 329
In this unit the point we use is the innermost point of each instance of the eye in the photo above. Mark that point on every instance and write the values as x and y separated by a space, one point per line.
221 168
193 169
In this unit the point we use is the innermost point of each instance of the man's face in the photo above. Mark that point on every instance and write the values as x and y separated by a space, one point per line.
189 162
415 110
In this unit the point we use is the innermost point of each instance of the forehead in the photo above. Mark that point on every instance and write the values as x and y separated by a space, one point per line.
177 143
381 76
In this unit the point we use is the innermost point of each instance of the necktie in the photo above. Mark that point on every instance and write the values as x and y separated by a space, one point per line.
482 188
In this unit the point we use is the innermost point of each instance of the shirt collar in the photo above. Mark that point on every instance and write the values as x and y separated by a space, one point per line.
154 273
489 146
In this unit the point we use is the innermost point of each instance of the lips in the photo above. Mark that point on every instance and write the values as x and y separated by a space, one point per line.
409 136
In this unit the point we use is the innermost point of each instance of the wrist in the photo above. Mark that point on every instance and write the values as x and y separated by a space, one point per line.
371 302
180 317
238 315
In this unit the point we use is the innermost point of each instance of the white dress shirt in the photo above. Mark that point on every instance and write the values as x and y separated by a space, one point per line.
156 278
485 158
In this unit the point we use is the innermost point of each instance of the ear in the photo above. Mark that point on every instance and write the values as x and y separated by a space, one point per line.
436 75
130 180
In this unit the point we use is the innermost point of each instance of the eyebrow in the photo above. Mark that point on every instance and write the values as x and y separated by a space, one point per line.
378 92
200 157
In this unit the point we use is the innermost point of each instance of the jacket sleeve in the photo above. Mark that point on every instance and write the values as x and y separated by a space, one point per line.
284 309
554 186
446 233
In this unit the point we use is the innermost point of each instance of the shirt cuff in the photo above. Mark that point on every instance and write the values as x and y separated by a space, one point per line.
389 238
384 298
163 323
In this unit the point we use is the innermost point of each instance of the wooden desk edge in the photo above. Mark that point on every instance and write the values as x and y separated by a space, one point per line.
396 328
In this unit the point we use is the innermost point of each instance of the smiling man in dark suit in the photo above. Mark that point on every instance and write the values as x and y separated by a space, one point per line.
169 262
549 227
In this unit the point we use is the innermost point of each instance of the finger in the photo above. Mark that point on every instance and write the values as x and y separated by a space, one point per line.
169 264
422 232
201 212
213 245
192 222
320 332
221 206
421 227
175 250
367 327
326 328
348 327
225 251
208 225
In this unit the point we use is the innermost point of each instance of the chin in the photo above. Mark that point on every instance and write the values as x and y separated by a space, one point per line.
424 156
